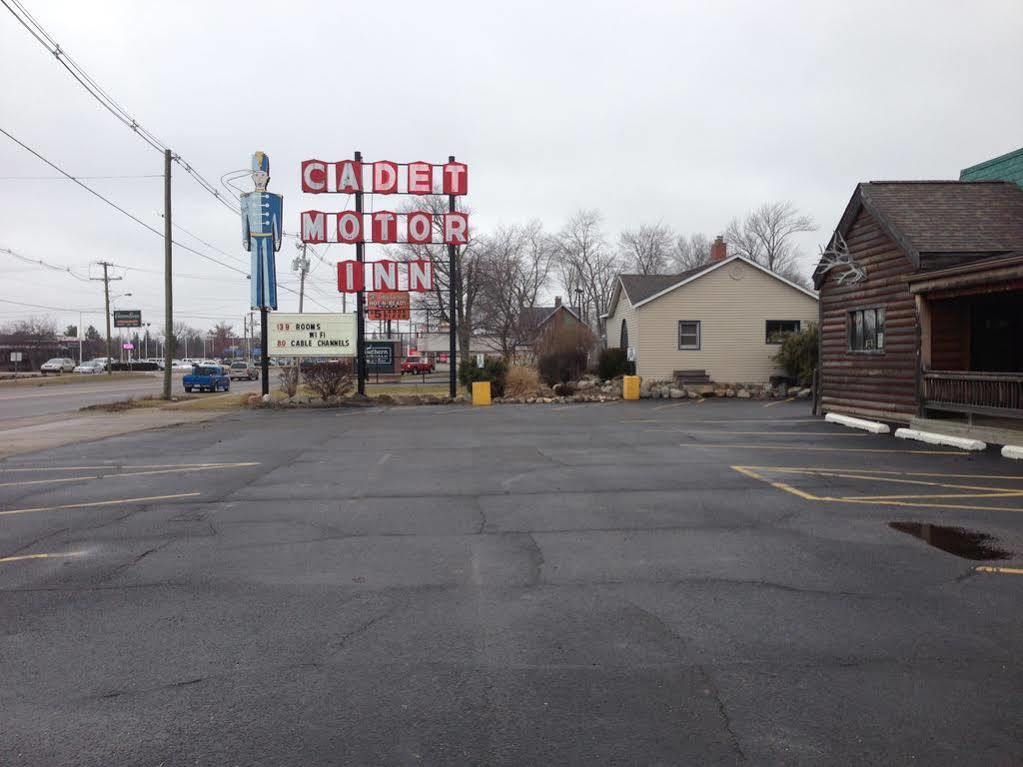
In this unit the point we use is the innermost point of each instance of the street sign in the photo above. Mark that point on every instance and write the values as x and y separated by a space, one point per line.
131 318
388 306
480 360
630 354
312 335
128 346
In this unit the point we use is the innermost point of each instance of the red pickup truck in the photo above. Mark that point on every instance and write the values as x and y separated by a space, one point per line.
416 365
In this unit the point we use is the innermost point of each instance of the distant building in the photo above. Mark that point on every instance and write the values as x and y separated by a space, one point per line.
535 319
1008 167
723 321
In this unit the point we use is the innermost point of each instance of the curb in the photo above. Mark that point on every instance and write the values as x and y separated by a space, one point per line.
874 427
1013 451
931 438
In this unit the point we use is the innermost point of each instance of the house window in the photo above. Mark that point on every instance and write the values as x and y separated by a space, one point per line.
778 329
689 334
866 330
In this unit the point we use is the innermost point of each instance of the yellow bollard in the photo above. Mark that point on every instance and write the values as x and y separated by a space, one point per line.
481 392
630 387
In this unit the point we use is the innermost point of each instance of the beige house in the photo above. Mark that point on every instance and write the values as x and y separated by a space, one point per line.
724 319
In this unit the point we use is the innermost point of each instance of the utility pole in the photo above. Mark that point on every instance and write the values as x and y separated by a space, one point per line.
360 320
168 291
301 265
107 279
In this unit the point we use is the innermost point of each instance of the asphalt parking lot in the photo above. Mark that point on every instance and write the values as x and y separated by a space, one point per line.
625 583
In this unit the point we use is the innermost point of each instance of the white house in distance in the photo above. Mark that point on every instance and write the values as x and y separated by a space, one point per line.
723 320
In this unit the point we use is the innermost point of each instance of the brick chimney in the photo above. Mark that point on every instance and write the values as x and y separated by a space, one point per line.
557 301
719 249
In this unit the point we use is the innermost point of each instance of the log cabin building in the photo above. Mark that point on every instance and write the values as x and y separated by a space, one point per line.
923 318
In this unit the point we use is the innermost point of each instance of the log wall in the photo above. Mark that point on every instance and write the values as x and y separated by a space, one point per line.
873 384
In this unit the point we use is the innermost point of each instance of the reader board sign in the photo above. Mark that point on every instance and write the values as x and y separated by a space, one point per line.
16 357
387 306
312 335
131 318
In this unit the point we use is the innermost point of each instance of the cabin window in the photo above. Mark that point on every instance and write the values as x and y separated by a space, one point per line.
778 329
689 335
866 330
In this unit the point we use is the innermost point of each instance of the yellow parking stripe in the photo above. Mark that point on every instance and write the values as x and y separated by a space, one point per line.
65 555
780 402
112 502
1001 570
210 467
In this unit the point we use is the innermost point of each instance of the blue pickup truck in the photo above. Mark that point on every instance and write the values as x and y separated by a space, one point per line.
207 378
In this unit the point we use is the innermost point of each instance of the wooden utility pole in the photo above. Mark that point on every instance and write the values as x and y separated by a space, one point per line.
169 342
107 279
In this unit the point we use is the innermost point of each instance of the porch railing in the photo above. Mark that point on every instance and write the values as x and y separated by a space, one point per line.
973 392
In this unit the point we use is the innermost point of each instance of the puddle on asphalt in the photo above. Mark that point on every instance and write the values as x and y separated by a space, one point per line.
964 543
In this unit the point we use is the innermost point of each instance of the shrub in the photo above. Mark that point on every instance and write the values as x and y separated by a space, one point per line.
329 379
563 352
493 370
289 380
135 366
521 381
612 363
798 354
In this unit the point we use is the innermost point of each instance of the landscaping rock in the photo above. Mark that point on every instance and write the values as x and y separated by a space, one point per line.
677 393
729 392
585 384
743 394
720 392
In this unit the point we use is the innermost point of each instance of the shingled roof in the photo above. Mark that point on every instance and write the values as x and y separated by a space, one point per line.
963 217
639 287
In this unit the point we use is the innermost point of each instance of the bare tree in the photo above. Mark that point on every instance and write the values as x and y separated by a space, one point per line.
33 329
765 236
516 263
587 264
467 272
690 252
647 250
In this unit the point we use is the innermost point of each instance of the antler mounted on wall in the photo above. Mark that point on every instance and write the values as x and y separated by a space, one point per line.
837 256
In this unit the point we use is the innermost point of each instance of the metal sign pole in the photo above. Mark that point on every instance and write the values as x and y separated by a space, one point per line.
452 308
360 329
264 362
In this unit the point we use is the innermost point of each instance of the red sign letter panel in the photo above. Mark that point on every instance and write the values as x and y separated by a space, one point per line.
349 176
419 228
456 228
385 177
420 178
350 277
314 226
385 226
456 178
349 227
314 176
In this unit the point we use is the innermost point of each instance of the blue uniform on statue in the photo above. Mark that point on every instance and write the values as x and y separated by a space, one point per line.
262 230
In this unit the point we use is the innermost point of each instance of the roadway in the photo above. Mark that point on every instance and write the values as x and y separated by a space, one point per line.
690 582
23 400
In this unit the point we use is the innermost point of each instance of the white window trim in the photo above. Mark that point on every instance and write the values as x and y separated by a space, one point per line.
699 336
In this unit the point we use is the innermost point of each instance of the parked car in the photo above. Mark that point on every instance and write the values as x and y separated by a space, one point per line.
181 365
207 378
417 365
57 365
243 371
91 367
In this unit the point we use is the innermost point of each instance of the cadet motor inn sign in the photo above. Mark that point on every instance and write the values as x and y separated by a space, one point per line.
312 335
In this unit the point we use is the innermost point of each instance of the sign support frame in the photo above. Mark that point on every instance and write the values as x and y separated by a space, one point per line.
264 356
360 319
452 310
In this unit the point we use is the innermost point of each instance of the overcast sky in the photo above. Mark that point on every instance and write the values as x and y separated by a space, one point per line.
681 113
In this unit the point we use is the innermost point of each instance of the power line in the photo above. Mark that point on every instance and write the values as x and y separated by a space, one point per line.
44 264
51 308
114 205
105 99
62 178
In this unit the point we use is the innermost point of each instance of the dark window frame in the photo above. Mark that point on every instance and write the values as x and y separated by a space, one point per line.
699 335
878 337
767 330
